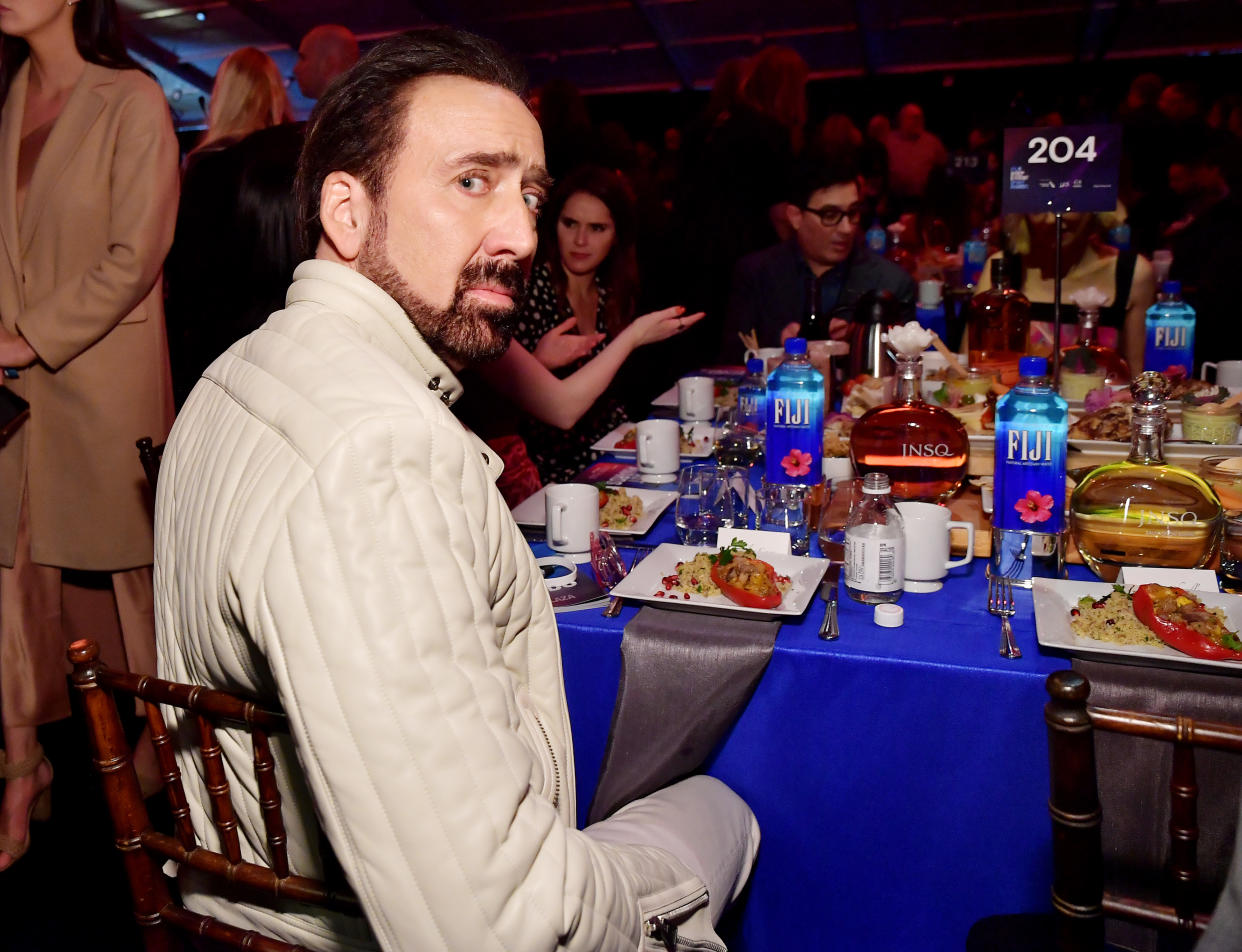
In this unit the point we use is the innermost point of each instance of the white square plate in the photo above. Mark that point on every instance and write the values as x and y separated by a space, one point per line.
532 510
702 435
1055 597
1174 449
644 581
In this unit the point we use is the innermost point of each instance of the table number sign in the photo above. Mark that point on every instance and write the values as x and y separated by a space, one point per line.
1061 169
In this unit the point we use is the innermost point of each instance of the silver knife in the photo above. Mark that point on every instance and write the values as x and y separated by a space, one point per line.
829 630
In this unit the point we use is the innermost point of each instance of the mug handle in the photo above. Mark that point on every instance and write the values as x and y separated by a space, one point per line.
556 527
748 354
970 544
1203 370
643 459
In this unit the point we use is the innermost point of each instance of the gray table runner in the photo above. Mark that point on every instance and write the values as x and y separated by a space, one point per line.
685 678
1136 772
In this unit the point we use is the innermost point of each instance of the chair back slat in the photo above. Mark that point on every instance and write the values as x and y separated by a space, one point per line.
1184 832
170 774
222 813
217 931
258 881
219 706
269 805
1080 901
144 849
111 757
150 456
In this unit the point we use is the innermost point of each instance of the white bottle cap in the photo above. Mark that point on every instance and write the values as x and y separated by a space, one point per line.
889 615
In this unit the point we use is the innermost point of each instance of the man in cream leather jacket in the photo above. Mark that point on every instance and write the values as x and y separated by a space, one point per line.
329 537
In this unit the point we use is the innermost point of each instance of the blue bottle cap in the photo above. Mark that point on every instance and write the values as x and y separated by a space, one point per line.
1171 287
795 345
755 365
1032 367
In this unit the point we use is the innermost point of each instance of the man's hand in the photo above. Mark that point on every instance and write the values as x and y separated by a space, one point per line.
790 330
14 351
559 347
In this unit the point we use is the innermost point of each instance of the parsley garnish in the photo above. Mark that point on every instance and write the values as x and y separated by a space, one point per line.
726 554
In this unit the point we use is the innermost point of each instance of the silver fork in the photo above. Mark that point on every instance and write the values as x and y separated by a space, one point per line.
1001 604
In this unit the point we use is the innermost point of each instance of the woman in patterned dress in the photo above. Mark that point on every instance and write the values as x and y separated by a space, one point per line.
578 319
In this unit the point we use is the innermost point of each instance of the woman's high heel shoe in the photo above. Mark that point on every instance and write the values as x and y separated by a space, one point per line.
40 806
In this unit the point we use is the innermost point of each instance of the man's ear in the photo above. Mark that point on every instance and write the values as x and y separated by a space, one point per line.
794 215
344 213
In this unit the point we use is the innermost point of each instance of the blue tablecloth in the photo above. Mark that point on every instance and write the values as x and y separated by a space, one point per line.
900 776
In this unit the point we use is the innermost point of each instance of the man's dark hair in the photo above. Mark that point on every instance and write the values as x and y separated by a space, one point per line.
358 125
822 170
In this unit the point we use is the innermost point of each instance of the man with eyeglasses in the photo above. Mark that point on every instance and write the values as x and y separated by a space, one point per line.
823 270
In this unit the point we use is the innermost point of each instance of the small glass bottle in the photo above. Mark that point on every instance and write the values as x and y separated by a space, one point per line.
794 441
1087 363
923 449
998 322
1170 333
875 545
1143 511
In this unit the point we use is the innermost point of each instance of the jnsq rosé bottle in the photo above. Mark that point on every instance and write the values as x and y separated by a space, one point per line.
922 448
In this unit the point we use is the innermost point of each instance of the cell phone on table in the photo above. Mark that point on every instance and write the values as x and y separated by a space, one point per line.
13 410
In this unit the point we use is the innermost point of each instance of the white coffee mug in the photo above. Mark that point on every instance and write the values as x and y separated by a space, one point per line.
927 528
696 398
571 514
1228 372
772 357
658 449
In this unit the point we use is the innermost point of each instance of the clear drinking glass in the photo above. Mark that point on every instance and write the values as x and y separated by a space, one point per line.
705 503
782 508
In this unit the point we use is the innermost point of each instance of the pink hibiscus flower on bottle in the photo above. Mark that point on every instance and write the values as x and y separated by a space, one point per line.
797 463
1034 507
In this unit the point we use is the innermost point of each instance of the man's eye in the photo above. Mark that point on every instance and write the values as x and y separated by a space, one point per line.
533 201
471 183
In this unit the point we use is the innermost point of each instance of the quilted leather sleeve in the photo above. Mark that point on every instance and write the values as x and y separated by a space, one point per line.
376 617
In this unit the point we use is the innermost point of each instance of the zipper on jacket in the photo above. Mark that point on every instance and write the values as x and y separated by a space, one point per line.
556 770
661 928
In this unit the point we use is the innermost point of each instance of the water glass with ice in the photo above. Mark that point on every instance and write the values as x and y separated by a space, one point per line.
705 503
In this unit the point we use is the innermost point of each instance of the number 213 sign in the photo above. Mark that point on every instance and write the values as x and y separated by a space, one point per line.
1060 169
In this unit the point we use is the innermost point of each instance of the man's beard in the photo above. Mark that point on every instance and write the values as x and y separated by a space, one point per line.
467 331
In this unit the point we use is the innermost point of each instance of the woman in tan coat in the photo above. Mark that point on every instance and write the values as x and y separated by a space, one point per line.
88 198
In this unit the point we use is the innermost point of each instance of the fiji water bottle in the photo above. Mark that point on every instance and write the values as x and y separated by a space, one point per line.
794 443
1170 333
974 257
752 396
1032 429
875 238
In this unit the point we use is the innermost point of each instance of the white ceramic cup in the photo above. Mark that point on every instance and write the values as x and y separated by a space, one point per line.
658 449
772 357
927 528
572 513
931 293
1228 372
696 398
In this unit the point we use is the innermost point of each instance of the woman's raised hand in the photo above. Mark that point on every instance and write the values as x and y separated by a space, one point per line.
559 347
660 325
